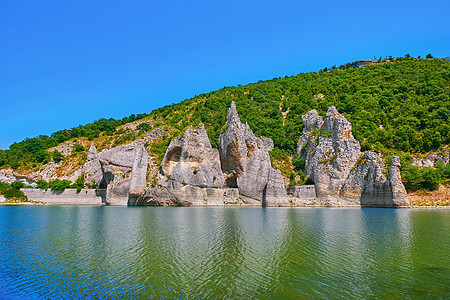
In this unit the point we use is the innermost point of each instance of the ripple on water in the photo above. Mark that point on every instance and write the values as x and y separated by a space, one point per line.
263 253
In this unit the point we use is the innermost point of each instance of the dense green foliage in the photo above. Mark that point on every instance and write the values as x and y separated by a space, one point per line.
143 127
420 178
42 184
61 185
402 105
423 178
57 156
12 191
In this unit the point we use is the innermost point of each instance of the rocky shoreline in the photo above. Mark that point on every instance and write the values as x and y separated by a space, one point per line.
239 172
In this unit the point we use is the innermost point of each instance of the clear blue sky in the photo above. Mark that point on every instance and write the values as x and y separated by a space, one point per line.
65 63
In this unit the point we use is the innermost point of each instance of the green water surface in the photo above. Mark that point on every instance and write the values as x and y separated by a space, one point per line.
223 253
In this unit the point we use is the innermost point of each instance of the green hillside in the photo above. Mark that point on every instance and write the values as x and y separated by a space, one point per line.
403 105
398 106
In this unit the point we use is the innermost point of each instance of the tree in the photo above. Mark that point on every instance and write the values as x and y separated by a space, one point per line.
430 179
429 55
79 148
79 183
42 184
42 156
59 185
17 185
143 127
57 156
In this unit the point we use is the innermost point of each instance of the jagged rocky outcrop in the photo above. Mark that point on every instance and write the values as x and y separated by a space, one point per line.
191 174
92 169
367 186
191 160
124 172
432 159
330 151
246 163
9 176
341 174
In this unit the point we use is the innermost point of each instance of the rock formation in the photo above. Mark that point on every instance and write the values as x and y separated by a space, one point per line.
124 172
192 174
246 163
330 151
432 159
9 176
367 186
92 169
191 160
341 175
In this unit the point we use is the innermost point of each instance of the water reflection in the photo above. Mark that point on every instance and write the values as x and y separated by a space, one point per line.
261 253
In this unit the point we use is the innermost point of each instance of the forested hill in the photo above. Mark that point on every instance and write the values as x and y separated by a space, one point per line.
398 105
401 105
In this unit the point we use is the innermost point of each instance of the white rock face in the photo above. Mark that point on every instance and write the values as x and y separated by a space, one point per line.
191 160
432 159
9 176
246 163
341 175
124 172
330 152
92 169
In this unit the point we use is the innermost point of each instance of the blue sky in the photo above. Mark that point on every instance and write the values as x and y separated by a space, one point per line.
65 63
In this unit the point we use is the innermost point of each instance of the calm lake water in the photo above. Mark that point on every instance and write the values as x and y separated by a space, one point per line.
223 253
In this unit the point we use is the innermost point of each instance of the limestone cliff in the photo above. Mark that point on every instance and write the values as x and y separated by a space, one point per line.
330 151
92 168
432 159
191 160
246 163
341 175
191 174
124 171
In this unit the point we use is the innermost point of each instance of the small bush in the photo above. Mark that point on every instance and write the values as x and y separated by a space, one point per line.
325 133
158 149
143 127
79 148
13 194
4 186
42 184
444 170
299 163
17 185
292 181
57 156
79 183
60 185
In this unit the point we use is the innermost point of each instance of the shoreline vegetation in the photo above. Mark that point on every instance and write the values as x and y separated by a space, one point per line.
371 94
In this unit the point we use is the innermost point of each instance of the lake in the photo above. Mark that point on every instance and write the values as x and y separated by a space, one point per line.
223 252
